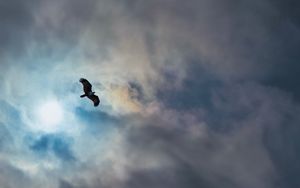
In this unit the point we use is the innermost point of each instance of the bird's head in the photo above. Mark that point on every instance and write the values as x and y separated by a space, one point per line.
81 79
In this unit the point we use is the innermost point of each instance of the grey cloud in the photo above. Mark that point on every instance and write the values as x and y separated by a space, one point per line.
16 23
13 177
237 157
282 143
227 38
195 91
180 149
65 184
237 40
206 162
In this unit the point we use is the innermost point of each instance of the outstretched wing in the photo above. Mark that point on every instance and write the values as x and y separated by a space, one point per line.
87 86
95 99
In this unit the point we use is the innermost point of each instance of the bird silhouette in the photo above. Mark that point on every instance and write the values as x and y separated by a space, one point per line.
87 88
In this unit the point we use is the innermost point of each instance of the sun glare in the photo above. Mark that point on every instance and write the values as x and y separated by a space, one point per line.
50 114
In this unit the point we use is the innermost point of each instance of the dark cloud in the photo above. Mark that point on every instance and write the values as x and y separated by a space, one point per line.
252 119
194 92
184 153
184 176
283 144
65 184
201 162
16 23
289 10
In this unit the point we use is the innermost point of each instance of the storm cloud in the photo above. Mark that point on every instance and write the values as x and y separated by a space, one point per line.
193 94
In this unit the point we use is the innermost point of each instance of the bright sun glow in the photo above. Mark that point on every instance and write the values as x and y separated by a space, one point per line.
50 114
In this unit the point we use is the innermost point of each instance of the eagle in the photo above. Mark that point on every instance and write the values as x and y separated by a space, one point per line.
87 88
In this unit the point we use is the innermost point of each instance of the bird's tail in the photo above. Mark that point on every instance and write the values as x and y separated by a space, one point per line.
84 95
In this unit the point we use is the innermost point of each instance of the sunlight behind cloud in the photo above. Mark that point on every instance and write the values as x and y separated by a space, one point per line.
49 115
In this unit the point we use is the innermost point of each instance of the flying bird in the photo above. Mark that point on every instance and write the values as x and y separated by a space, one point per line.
87 88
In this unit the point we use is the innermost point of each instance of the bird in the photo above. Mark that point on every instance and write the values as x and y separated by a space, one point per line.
87 88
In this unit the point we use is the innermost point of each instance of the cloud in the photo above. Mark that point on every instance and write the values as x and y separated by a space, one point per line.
13 177
181 149
55 144
193 94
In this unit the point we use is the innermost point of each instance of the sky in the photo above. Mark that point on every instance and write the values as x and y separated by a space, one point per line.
198 93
